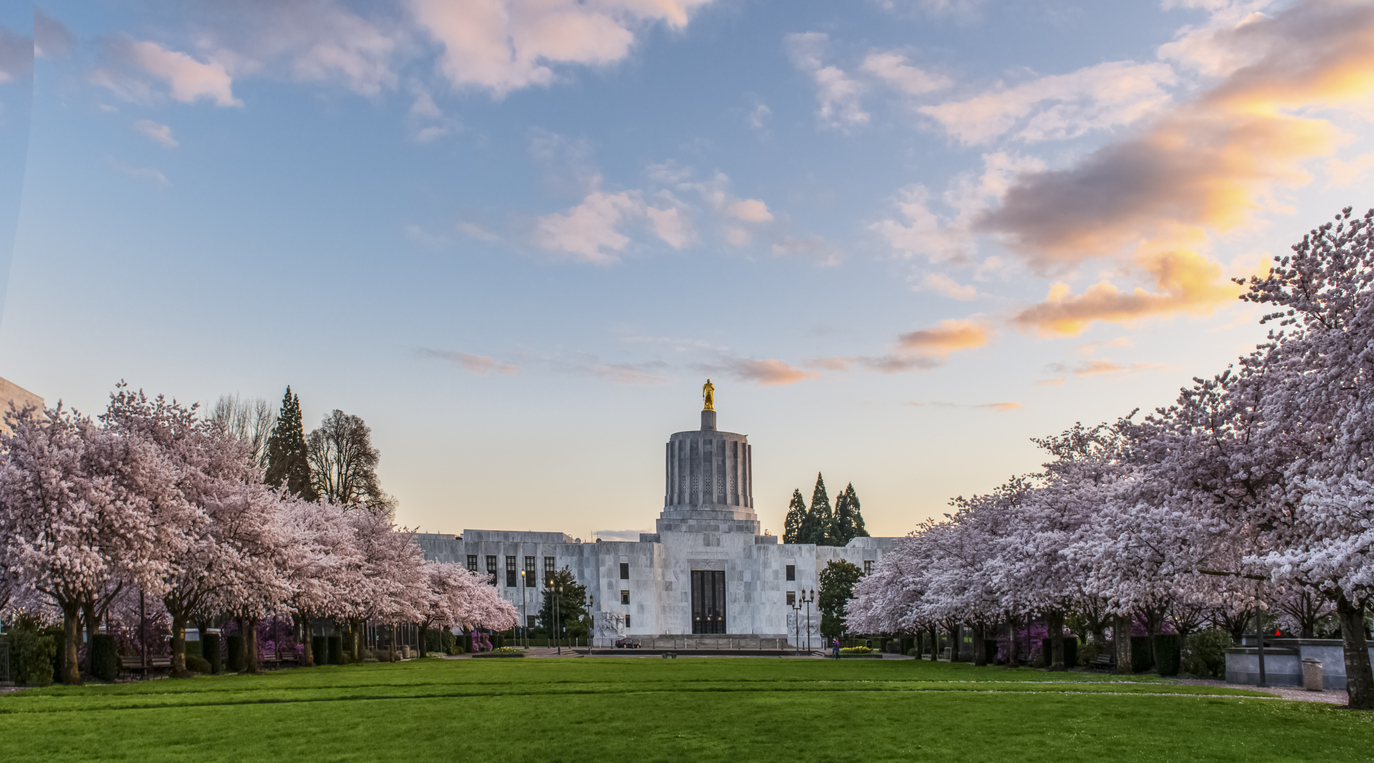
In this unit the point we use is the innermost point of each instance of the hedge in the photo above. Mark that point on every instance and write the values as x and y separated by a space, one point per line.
211 652
336 650
1142 654
104 657
236 656
319 650
1070 651
1166 645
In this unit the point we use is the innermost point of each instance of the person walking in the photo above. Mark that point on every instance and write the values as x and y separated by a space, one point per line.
835 647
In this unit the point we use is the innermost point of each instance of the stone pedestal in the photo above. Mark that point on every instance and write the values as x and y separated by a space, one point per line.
708 421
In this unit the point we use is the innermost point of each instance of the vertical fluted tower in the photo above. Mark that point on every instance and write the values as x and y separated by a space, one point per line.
708 474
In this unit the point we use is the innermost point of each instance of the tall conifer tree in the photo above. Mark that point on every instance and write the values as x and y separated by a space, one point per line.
849 522
796 515
820 520
287 461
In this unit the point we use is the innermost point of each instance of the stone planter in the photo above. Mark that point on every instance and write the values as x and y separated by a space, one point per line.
1312 674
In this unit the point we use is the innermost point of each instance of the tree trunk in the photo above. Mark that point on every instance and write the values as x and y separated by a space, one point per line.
1359 682
1054 621
307 642
179 647
954 643
1012 659
1121 637
423 630
355 635
934 644
980 652
252 660
71 636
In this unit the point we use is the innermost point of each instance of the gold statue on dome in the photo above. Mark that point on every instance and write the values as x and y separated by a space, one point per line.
709 393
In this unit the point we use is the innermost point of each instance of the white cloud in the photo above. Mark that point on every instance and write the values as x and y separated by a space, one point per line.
938 237
671 226
810 247
147 174
505 45
1060 106
751 211
478 232
838 93
891 67
738 236
425 238
158 132
757 118
1211 49
187 80
590 230
957 8
1345 174
476 364
947 286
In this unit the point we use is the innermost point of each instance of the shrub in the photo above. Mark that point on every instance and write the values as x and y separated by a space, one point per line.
236 661
211 652
1166 648
856 650
1205 655
1070 651
319 650
197 664
336 650
1142 654
196 648
33 654
104 658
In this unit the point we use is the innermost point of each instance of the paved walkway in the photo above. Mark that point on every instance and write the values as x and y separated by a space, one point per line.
1296 693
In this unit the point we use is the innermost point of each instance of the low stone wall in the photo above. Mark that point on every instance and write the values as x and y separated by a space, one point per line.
1283 662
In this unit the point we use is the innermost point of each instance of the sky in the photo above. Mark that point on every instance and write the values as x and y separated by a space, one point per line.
901 237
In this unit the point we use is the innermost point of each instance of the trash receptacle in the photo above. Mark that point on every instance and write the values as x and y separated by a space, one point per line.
1312 674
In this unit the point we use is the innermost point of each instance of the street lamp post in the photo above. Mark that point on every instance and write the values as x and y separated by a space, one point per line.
591 624
524 599
808 599
558 616
796 624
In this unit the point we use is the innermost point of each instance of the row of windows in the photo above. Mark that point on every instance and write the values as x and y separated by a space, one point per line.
549 569
511 572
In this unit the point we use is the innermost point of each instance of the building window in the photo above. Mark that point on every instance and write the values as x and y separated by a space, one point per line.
868 566
548 570
624 597
472 562
531 621
624 570
627 621
510 572
529 572
791 598
791 572
491 569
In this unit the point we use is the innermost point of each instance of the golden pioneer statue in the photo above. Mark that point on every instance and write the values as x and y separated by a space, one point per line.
709 392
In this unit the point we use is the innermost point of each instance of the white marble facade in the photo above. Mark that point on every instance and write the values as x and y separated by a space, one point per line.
707 525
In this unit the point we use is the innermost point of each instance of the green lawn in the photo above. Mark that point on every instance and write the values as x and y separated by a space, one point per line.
601 709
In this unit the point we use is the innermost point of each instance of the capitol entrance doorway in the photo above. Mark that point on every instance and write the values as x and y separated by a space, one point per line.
708 601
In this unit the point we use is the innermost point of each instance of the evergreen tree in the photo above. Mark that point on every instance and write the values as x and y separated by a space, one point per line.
572 607
796 515
819 522
837 588
287 460
849 522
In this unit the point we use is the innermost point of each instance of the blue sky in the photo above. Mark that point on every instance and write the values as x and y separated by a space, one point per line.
902 237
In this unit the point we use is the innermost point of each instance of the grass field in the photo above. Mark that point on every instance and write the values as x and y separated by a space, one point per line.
607 709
